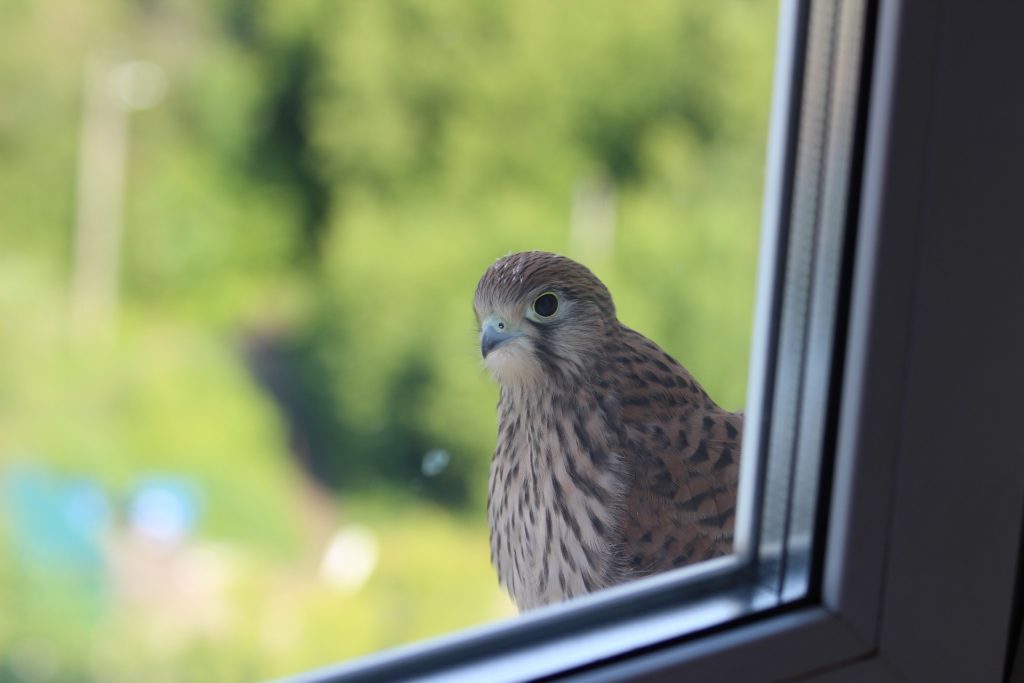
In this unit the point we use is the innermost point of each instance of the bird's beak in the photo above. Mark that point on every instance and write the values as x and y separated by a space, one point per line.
493 333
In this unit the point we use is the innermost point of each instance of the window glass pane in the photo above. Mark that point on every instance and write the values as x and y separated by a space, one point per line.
244 427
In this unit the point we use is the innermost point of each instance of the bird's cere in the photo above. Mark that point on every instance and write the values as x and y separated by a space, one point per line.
494 332
612 462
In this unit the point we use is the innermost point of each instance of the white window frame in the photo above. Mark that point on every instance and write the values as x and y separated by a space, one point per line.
924 526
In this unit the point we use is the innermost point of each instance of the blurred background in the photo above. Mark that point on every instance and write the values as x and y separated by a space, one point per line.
244 428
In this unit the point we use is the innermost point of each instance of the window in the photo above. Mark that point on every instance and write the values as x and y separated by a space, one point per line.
247 429
804 267
907 277
879 535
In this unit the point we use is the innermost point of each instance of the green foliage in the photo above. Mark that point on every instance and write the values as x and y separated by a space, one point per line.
306 213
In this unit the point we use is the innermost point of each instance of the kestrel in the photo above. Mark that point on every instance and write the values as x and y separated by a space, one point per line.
612 462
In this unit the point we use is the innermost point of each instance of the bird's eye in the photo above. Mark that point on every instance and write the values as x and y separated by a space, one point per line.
545 305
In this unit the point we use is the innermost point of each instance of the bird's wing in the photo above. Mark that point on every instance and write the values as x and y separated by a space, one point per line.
682 452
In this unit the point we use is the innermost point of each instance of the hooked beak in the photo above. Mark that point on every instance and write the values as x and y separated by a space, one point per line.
493 333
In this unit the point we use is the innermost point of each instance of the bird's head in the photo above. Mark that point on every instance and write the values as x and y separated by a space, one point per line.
543 318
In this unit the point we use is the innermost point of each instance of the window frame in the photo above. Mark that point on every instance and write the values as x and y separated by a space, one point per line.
895 603
884 609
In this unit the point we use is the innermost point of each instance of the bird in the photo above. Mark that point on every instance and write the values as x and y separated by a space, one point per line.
612 462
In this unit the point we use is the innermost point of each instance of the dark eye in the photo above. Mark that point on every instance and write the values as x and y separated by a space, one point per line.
545 305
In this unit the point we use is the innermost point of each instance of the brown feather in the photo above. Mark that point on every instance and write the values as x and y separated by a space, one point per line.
612 461
682 452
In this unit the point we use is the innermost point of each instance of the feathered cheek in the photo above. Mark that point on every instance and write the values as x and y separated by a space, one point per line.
513 362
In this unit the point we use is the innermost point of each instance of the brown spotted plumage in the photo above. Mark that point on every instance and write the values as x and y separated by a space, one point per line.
612 462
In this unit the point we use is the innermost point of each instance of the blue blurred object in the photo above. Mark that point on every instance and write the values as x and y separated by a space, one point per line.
56 523
164 509
56 527
434 462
